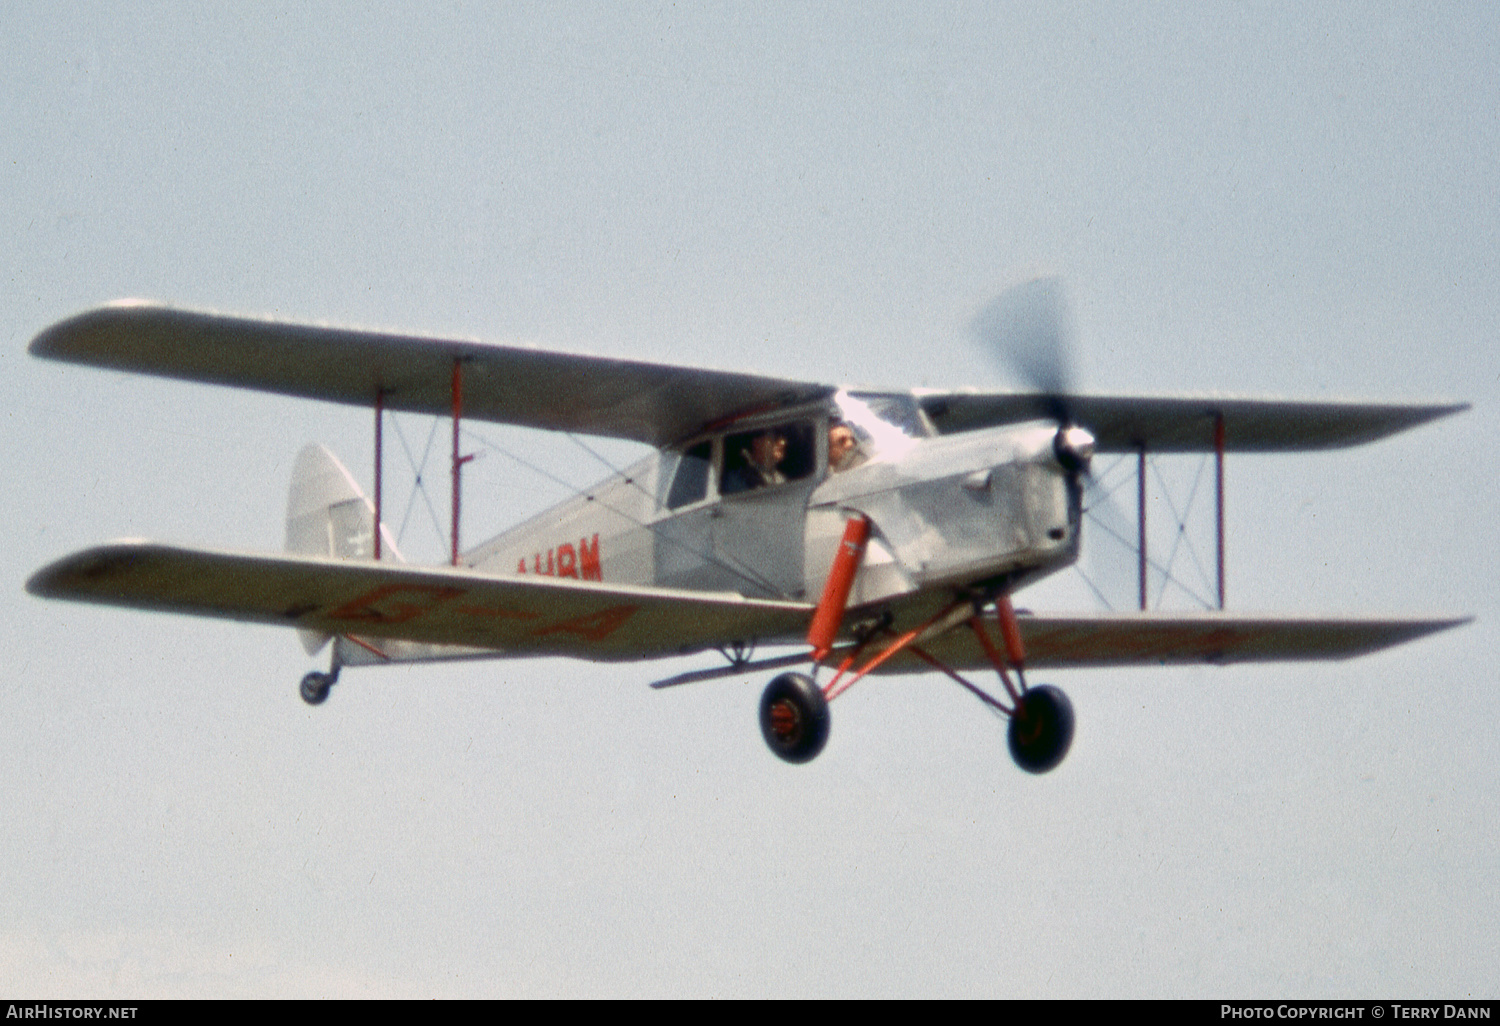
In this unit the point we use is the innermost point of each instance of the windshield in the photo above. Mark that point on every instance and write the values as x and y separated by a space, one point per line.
883 424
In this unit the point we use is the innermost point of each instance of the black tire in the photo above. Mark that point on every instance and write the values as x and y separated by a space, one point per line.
1041 730
794 717
314 688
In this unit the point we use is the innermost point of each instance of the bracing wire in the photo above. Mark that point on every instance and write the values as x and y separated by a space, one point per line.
1094 588
1162 568
1181 538
418 484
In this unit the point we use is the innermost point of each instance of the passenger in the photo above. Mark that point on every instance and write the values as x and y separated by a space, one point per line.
761 466
843 448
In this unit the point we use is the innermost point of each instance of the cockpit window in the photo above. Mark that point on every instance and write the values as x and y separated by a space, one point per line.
884 424
768 456
690 480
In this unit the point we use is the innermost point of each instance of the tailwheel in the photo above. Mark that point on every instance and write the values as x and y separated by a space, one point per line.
794 717
315 686
1041 729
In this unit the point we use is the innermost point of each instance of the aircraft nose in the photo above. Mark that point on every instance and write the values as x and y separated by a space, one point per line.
1074 447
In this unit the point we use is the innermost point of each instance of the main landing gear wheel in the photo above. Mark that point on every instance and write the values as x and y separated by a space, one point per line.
1041 729
794 717
314 687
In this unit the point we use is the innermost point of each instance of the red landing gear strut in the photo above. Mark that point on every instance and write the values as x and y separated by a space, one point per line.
794 710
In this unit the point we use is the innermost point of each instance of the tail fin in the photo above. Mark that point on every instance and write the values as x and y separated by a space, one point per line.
327 515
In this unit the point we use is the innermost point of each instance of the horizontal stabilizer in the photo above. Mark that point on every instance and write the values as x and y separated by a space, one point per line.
528 615
1156 639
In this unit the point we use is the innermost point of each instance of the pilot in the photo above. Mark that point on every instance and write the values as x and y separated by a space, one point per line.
762 464
843 448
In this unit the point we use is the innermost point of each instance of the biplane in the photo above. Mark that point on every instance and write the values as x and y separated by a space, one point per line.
850 531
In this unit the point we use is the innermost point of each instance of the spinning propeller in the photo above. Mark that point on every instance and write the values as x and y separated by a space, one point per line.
1028 330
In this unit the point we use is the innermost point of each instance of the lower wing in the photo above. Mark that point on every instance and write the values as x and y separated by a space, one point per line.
516 615
1156 639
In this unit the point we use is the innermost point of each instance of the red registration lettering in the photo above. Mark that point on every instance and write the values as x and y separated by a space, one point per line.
383 606
567 561
589 557
593 626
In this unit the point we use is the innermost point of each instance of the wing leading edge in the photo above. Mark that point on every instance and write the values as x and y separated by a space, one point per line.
511 615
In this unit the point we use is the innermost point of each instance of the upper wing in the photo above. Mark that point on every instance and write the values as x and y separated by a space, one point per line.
518 615
1124 423
1155 639
651 403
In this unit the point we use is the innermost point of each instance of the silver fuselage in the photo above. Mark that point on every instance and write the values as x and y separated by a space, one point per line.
992 505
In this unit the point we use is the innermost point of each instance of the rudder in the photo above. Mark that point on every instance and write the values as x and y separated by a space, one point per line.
328 515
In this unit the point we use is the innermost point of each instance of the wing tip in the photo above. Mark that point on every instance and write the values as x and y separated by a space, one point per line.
59 579
64 339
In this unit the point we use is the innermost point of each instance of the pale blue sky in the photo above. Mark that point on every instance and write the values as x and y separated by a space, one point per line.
1254 198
